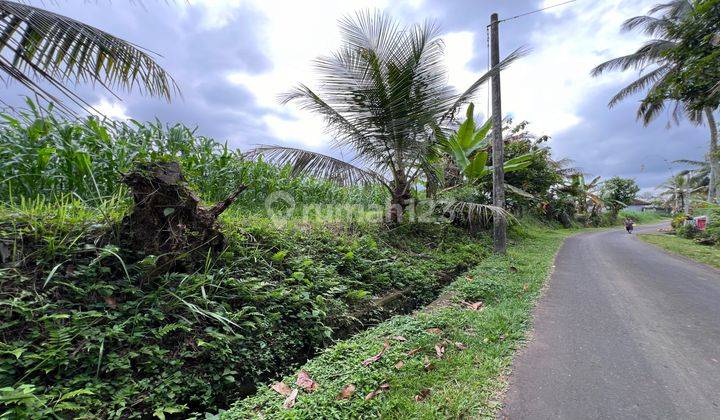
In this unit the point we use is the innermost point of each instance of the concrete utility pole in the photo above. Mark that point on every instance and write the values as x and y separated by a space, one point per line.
498 152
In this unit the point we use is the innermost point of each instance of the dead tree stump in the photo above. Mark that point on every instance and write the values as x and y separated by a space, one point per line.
167 220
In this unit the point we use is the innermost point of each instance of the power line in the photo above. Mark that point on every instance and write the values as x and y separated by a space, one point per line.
537 11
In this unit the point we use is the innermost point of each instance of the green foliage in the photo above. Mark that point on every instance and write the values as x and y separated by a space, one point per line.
641 216
469 146
618 192
85 333
464 382
697 79
41 154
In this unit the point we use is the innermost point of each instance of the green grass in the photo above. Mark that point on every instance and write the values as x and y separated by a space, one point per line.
464 382
709 255
642 217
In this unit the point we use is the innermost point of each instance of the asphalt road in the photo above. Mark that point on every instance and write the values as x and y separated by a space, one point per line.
624 330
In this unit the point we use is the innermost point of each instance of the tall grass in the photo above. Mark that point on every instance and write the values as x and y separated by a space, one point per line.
43 155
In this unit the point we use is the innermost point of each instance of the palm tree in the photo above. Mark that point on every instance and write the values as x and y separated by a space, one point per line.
653 56
678 190
384 96
37 45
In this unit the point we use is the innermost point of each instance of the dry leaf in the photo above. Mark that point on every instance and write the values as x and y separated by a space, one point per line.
383 387
525 287
513 269
400 338
281 388
439 350
460 345
424 393
290 400
110 301
475 306
502 337
469 278
436 331
399 365
346 392
304 382
377 357
413 351
427 364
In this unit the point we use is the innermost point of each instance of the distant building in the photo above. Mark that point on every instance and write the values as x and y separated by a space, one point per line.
638 204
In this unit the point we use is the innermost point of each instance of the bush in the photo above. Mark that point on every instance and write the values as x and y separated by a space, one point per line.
83 333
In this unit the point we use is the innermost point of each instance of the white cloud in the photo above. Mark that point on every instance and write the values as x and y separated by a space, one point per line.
111 109
547 87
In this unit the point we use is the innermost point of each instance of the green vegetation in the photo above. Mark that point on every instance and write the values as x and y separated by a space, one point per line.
709 255
618 192
85 332
459 353
41 154
642 217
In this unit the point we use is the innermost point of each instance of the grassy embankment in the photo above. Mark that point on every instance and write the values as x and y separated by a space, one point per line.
709 255
447 361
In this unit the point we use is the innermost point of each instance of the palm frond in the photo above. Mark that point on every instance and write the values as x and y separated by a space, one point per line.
471 91
639 85
36 44
473 213
651 52
314 164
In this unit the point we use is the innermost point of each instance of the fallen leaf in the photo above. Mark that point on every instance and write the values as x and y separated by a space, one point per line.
424 393
460 345
399 365
346 392
304 382
400 338
281 388
383 387
290 400
110 301
486 340
475 306
413 351
502 337
439 350
513 269
525 287
377 357
469 278
436 331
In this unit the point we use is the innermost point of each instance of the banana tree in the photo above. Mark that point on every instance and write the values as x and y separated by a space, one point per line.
469 148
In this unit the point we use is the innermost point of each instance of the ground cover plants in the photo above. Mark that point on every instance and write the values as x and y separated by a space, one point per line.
444 362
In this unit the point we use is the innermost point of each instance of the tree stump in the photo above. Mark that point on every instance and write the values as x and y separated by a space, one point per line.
167 220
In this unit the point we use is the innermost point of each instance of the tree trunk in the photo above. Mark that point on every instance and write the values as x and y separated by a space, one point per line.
399 201
167 220
713 157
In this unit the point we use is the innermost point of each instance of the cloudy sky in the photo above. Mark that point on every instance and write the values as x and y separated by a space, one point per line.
232 58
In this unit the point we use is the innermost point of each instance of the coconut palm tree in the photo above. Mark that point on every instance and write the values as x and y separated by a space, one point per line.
656 71
586 193
384 96
677 191
37 45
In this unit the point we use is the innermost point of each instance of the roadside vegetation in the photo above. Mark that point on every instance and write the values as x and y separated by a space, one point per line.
446 361
149 271
709 255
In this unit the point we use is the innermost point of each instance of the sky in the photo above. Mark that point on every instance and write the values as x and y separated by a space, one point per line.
232 58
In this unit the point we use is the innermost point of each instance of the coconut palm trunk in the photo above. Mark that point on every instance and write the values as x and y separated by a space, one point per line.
713 156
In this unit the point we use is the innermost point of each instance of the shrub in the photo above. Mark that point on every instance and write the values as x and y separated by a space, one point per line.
83 333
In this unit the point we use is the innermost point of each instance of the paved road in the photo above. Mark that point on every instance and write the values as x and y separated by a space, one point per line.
623 331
